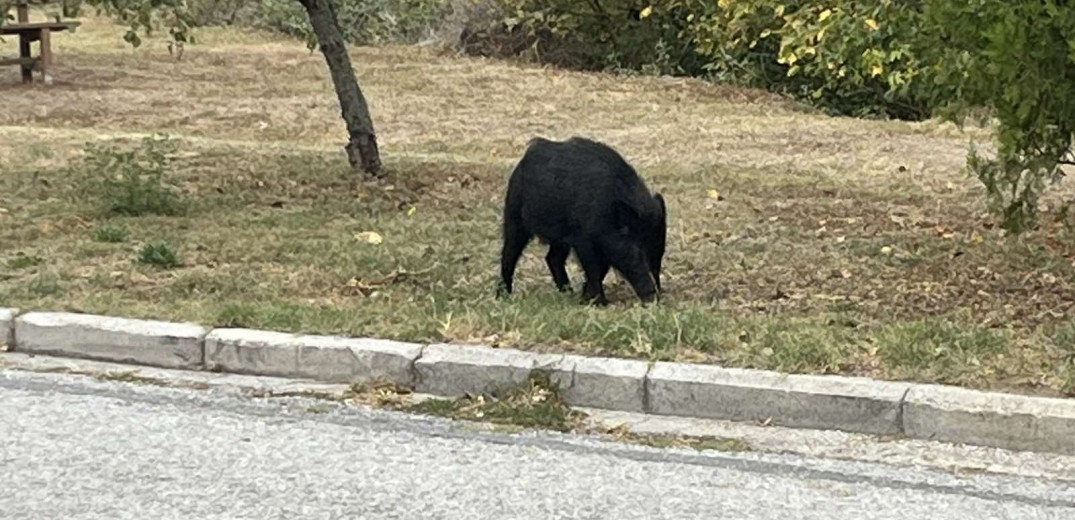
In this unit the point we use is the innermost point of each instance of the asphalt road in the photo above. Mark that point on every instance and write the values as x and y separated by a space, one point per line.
79 448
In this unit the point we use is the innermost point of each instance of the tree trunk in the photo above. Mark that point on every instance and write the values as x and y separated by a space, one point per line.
362 146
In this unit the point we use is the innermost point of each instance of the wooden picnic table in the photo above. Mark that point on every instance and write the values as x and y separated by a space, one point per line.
29 32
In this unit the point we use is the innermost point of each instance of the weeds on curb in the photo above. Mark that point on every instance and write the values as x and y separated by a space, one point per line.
535 404
539 404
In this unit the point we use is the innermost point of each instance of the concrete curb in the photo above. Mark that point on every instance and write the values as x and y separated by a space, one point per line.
7 327
122 340
332 359
853 404
1018 422
800 401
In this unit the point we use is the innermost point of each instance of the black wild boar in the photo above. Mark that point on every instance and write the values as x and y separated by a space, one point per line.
580 195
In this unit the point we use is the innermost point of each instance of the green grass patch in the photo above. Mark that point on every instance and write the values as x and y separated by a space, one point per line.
941 348
110 234
158 254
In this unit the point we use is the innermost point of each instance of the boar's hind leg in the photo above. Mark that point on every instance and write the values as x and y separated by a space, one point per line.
516 237
595 267
557 262
628 259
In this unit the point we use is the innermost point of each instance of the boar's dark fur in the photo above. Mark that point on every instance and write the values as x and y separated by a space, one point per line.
581 195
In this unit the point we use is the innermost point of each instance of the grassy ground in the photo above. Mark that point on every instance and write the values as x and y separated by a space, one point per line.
798 242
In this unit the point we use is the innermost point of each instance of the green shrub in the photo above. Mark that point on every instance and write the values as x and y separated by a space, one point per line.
1016 58
362 21
221 12
621 35
158 254
849 57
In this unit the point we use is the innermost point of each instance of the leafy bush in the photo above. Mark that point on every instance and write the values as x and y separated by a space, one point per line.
130 181
362 21
158 254
619 35
850 57
221 12
1016 58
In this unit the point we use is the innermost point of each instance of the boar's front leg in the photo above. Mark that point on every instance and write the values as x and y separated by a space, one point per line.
595 267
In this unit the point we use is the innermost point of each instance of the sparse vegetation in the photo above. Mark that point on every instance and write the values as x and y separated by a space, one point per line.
110 234
22 260
158 254
537 404
797 241
131 180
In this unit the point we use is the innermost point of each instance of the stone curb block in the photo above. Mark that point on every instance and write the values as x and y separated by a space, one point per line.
122 340
950 414
453 370
853 404
799 401
607 383
332 359
7 327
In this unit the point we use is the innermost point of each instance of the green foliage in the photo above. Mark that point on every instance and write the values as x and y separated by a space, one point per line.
158 254
362 21
131 181
220 12
1018 59
140 16
848 57
620 35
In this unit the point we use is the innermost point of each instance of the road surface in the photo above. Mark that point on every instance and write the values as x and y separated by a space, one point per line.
82 448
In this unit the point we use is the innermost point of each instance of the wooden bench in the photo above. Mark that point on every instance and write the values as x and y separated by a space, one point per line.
29 32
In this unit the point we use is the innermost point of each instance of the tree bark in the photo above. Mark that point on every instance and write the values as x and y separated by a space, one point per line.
362 147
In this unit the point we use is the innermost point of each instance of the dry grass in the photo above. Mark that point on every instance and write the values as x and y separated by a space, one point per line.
836 245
